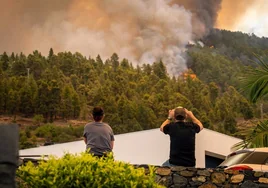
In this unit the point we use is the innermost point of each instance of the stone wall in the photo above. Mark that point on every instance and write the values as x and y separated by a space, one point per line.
183 177
176 177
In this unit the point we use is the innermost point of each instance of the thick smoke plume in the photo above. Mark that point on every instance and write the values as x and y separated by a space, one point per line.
142 31
204 14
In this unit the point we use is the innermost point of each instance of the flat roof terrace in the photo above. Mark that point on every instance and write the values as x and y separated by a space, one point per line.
147 147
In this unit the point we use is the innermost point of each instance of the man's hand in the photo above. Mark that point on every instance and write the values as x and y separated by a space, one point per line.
189 113
194 119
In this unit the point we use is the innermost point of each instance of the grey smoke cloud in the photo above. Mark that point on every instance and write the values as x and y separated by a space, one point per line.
142 31
204 14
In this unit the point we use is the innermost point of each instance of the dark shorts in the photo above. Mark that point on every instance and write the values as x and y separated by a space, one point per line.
99 156
104 155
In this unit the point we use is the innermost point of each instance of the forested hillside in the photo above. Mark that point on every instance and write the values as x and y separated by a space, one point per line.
237 45
67 85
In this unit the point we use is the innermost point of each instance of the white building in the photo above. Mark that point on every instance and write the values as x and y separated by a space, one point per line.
150 147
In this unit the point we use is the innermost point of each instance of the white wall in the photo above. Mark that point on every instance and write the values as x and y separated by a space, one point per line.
214 144
147 147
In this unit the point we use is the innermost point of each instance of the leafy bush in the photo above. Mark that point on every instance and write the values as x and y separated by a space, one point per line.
52 132
63 137
77 131
46 131
38 119
84 170
25 142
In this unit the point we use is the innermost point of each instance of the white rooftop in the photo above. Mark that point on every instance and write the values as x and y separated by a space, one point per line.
147 147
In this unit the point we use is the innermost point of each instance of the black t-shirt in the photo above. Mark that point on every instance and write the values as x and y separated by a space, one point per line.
182 142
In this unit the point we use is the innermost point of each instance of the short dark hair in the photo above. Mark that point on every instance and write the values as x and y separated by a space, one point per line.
97 113
180 113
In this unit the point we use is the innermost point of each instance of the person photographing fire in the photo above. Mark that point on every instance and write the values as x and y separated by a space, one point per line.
182 137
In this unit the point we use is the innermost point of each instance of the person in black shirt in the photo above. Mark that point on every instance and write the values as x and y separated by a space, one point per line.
182 137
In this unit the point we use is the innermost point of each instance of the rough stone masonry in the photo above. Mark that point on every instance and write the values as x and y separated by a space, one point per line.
180 177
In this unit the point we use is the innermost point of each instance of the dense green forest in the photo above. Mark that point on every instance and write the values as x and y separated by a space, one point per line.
68 85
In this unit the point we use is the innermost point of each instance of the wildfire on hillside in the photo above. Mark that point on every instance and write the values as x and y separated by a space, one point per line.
143 31
187 75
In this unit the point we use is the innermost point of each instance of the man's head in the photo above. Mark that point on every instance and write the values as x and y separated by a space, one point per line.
97 113
180 113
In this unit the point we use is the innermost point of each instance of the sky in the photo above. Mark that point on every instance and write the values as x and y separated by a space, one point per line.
248 16
254 22
143 31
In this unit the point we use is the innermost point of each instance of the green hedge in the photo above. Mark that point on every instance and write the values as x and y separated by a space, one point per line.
83 170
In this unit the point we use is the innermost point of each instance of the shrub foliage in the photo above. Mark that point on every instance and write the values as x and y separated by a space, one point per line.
84 170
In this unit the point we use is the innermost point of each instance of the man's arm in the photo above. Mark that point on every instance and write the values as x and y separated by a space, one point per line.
194 119
112 145
164 124
167 121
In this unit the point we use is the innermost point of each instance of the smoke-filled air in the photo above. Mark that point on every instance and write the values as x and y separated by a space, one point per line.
142 31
